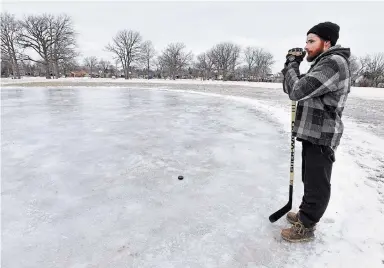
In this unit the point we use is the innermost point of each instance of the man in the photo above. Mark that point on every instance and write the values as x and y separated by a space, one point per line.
321 96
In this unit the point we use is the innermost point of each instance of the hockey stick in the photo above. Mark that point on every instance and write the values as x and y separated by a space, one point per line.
281 212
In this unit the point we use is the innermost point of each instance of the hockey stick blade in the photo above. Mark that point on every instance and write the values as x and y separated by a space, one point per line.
281 212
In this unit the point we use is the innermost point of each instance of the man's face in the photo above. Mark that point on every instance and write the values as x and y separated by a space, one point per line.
315 46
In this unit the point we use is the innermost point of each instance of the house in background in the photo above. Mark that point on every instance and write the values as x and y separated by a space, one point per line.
80 73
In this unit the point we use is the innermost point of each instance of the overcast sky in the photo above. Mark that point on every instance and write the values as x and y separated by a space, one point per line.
274 26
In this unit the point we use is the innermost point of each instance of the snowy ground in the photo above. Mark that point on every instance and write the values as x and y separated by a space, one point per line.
89 176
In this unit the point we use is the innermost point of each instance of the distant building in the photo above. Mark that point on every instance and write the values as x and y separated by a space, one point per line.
81 73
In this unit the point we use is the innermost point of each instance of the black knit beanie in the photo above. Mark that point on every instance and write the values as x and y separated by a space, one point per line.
326 30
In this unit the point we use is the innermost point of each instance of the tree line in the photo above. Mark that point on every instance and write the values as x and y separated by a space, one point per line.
52 39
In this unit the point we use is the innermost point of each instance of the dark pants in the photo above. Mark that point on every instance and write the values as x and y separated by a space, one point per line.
317 161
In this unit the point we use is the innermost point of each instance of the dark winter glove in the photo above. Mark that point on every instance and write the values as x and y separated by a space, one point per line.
295 54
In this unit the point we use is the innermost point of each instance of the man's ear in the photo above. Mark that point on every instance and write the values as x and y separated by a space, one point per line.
327 44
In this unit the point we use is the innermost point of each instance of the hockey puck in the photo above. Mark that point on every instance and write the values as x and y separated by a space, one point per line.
180 177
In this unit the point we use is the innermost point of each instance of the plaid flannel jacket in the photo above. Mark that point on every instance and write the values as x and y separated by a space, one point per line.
321 96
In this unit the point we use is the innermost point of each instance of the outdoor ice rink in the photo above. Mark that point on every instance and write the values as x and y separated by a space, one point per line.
89 178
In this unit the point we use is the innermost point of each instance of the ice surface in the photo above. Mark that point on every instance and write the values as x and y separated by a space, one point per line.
89 179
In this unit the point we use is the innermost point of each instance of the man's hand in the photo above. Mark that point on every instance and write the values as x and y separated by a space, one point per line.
295 54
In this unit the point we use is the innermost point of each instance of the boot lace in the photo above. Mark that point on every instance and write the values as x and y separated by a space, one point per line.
299 228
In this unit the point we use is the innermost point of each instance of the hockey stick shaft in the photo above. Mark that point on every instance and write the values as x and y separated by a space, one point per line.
281 212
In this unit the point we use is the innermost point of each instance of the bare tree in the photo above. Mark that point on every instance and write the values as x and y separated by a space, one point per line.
104 65
112 70
159 67
204 65
63 41
148 52
117 61
33 68
249 58
225 58
37 35
263 62
10 31
6 66
258 61
91 63
374 68
356 68
28 67
174 58
126 46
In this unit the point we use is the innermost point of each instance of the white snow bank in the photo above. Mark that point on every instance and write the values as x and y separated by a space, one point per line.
368 92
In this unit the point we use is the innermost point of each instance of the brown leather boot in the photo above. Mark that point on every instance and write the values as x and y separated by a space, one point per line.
298 233
292 217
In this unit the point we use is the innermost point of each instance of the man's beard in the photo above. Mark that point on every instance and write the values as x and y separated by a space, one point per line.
313 57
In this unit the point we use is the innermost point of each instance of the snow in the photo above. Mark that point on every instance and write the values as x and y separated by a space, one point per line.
89 177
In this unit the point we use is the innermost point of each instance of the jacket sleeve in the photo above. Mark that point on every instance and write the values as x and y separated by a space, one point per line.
323 78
